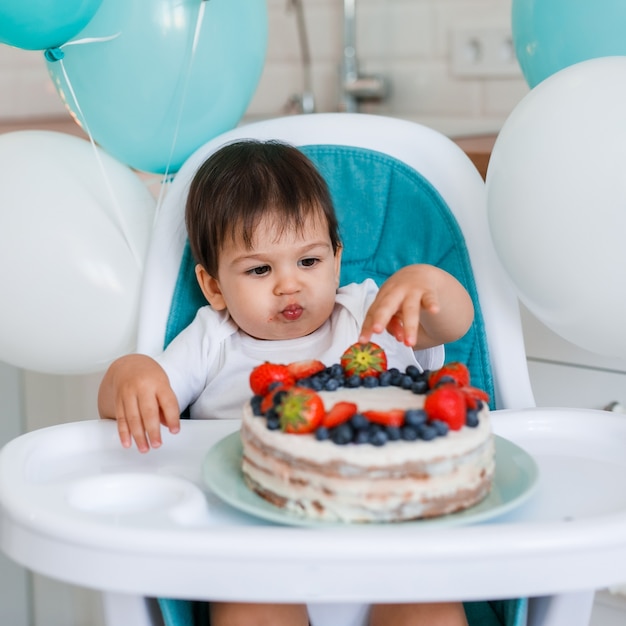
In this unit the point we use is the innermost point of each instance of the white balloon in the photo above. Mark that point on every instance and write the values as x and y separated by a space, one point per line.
74 230
556 193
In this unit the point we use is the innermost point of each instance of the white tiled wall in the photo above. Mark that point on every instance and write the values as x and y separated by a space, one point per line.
405 40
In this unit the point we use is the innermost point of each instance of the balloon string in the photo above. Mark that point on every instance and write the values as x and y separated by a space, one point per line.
194 46
57 54
122 223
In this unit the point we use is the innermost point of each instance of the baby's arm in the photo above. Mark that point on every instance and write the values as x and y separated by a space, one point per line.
421 306
136 392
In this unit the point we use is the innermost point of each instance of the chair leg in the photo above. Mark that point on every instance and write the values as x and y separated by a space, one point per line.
121 609
566 609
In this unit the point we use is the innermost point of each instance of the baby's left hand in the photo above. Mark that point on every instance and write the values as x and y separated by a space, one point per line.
419 305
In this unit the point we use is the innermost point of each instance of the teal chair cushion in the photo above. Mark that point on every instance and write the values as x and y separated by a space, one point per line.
390 216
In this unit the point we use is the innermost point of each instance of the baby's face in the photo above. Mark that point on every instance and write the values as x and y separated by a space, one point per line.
284 286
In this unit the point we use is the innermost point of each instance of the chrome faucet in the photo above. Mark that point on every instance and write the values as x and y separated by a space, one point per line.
356 87
303 102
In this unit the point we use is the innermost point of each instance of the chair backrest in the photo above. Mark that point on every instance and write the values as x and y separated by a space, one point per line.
404 194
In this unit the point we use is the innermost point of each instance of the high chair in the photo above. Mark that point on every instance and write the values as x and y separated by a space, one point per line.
404 194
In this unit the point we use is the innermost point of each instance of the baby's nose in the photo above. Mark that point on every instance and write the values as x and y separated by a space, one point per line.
287 282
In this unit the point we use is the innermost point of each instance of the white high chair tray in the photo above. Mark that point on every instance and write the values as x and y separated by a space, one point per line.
78 507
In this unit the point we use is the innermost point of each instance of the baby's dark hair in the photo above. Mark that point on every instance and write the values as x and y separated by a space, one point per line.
244 181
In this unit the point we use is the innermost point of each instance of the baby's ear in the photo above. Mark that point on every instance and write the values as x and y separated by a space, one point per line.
338 254
210 288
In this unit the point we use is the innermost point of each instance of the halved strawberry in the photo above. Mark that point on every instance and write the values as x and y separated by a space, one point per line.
455 370
262 376
447 403
300 410
390 417
339 413
473 395
304 369
364 359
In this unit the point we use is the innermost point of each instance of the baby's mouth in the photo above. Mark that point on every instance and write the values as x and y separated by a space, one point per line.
292 312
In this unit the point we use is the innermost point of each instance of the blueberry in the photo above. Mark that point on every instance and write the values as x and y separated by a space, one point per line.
384 379
441 427
419 387
323 376
372 429
414 417
332 384
353 381
370 382
361 436
406 382
321 433
427 432
316 384
277 398
396 379
273 422
409 433
396 375
345 430
359 422
255 405
393 433
336 371
378 438
342 434
413 371
471 419
271 413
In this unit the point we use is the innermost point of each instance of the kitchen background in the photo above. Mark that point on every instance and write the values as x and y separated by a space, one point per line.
446 63
409 42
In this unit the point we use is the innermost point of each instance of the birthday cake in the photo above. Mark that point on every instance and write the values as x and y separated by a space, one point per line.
357 442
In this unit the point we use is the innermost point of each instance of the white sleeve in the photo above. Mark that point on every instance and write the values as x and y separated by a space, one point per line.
186 360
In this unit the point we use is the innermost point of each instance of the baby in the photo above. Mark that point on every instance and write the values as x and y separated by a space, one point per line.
263 231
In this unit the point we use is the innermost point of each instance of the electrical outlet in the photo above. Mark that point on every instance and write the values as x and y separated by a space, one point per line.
483 52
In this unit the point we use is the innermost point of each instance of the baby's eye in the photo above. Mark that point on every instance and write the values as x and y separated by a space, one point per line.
261 270
310 262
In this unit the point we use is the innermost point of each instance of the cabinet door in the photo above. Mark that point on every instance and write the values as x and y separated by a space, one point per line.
14 580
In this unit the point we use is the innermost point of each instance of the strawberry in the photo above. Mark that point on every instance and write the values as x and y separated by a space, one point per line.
390 417
300 410
473 395
304 369
364 359
339 413
262 376
448 404
456 371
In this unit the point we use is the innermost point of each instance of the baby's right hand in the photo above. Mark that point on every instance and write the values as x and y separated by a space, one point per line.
136 392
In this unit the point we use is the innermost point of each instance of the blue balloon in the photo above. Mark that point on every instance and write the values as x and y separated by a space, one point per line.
550 35
41 24
159 78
